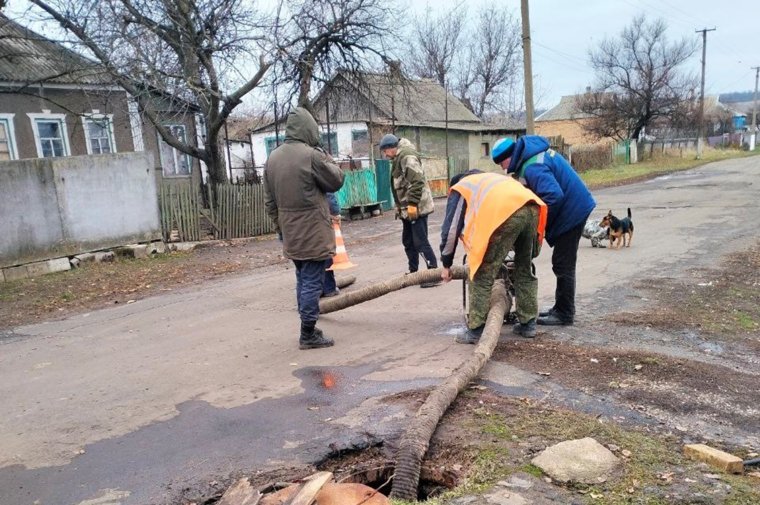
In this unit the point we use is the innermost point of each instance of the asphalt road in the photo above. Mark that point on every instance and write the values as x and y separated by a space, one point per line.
134 403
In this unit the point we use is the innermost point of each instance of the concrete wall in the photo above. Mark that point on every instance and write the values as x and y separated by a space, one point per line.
55 207
478 158
432 141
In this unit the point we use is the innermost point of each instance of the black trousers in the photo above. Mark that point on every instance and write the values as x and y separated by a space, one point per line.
414 236
564 258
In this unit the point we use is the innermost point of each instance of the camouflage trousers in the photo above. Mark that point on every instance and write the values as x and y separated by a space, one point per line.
518 233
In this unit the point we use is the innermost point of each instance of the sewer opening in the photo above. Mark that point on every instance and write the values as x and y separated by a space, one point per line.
381 479
372 468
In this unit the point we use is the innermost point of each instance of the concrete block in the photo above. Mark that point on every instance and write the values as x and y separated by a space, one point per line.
86 257
15 273
37 269
137 251
184 246
105 256
714 457
75 262
48 267
140 251
59 265
157 247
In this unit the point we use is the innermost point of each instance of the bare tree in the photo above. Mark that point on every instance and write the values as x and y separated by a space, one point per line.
172 55
436 44
322 36
639 80
479 62
497 58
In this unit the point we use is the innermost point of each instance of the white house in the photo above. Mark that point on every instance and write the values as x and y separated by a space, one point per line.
346 140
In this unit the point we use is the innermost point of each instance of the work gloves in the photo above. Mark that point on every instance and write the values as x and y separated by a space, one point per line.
411 212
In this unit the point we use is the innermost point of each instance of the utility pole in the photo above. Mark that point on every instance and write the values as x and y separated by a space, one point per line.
527 67
702 93
753 136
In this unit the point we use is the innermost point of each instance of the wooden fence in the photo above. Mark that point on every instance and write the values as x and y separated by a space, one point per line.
180 212
234 211
238 211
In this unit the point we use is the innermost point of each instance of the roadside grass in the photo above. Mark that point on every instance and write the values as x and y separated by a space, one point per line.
653 470
721 303
98 285
626 174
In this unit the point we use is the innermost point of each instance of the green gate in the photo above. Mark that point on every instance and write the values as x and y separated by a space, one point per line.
383 174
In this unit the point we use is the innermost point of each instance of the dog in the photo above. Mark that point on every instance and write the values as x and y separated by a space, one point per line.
596 233
619 228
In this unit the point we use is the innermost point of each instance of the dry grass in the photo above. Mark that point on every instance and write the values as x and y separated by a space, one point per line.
99 285
625 174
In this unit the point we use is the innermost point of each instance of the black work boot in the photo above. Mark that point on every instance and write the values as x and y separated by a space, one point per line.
312 337
471 336
527 330
554 319
546 312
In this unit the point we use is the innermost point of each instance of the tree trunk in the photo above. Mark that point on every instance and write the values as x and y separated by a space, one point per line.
217 170
339 302
414 443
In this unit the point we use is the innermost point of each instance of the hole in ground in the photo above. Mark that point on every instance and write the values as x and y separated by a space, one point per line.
373 468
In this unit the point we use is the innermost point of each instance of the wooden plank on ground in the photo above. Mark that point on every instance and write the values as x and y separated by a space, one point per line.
309 489
240 493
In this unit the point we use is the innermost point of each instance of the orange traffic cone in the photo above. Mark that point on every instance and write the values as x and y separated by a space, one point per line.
340 260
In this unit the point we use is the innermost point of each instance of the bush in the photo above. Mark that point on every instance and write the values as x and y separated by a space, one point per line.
591 157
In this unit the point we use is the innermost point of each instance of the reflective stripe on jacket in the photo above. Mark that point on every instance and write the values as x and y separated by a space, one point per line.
491 200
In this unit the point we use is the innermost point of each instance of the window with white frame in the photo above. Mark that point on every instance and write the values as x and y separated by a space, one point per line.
50 134
98 133
174 162
7 138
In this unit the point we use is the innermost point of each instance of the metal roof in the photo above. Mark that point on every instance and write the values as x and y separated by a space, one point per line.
28 57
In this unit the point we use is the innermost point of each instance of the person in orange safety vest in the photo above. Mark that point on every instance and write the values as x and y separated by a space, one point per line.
493 214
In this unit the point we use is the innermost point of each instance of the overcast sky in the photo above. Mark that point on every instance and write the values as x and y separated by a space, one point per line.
562 31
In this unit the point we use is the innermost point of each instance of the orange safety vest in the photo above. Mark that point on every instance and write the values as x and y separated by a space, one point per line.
491 200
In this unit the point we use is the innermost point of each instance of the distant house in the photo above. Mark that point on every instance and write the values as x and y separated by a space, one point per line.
565 120
362 110
54 102
238 156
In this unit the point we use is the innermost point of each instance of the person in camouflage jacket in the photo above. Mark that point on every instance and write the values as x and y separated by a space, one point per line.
413 199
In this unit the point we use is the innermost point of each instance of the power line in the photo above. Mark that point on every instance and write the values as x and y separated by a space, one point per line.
561 53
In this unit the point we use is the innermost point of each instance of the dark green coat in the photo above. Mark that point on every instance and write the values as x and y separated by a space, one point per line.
297 175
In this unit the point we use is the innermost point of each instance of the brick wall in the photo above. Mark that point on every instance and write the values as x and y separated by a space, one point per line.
571 130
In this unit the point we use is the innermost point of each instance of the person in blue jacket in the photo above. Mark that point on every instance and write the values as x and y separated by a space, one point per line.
329 287
546 173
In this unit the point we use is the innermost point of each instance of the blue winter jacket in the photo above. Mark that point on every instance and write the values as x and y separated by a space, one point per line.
552 178
332 202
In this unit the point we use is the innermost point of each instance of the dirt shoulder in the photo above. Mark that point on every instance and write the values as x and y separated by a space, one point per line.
98 285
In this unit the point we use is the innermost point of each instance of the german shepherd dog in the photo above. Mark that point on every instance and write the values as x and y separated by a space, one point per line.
619 228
